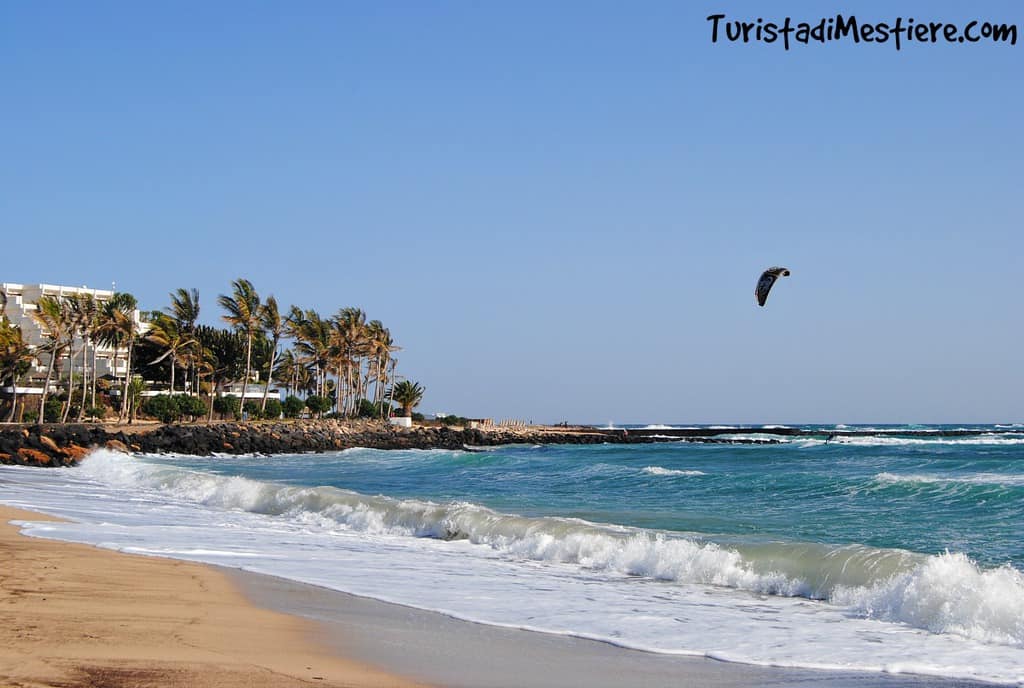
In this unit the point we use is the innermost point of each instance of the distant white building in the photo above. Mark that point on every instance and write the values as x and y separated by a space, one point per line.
250 391
21 300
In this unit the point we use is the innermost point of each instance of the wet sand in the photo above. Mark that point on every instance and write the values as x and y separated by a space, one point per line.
73 615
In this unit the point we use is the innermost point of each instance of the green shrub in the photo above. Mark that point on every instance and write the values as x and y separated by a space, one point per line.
96 412
192 407
228 406
272 409
30 416
454 420
293 406
251 408
367 409
52 409
317 404
163 407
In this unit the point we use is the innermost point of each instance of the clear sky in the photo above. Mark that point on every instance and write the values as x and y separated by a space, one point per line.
560 209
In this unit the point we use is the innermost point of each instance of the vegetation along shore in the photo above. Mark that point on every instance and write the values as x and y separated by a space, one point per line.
70 354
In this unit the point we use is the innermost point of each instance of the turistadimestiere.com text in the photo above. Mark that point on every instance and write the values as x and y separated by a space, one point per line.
901 31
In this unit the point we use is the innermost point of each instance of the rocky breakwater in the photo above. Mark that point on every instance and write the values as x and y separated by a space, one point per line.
66 445
48 445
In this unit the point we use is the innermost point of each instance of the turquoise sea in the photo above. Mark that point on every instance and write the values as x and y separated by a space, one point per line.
878 552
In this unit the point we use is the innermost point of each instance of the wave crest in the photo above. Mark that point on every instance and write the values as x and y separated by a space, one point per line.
658 470
943 594
947 594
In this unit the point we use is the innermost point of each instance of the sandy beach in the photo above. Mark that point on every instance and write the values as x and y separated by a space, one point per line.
74 615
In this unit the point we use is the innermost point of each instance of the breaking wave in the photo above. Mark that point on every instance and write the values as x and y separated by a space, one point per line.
1000 479
947 593
658 470
875 440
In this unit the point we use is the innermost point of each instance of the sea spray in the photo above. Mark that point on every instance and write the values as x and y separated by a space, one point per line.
947 593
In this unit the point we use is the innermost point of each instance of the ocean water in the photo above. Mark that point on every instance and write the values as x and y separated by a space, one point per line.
872 553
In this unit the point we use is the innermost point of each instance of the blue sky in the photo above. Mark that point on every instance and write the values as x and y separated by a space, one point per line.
559 209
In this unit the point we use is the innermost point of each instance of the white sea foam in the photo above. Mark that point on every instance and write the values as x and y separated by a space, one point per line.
980 440
1012 479
658 470
757 438
948 594
657 426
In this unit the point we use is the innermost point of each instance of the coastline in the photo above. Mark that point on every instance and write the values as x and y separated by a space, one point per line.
67 444
75 615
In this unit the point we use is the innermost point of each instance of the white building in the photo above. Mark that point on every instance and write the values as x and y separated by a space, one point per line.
19 303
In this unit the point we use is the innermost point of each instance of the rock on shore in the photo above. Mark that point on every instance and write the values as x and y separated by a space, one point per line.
66 445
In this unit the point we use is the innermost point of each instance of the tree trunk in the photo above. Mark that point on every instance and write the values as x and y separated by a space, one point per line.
123 415
391 401
270 374
114 369
46 386
71 383
376 380
14 402
248 367
93 401
14 393
85 380
213 395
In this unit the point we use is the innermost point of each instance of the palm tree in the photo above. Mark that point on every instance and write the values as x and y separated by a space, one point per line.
133 398
177 345
274 326
292 373
312 335
348 344
381 346
53 317
84 315
223 352
110 330
15 359
184 309
243 308
116 328
408 395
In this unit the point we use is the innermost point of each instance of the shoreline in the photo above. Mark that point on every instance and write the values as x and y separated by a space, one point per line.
203 625
74 615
